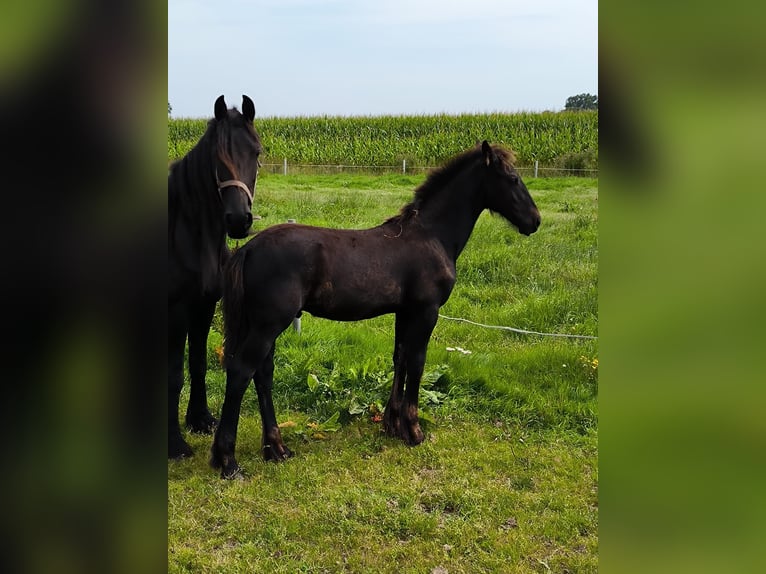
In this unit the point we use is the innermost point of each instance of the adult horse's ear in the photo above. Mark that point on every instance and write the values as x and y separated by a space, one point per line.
489 155
248 108
220 108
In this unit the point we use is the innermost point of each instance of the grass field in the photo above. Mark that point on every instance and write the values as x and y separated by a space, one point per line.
507 478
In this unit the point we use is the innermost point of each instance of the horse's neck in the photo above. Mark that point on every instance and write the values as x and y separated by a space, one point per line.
452 216
194 186
197 219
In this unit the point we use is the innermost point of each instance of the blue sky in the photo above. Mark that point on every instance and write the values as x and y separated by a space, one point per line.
362 57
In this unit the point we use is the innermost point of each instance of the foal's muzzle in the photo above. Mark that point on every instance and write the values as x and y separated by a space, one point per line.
534 223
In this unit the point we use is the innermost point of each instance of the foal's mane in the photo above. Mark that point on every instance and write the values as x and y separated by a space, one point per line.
440 177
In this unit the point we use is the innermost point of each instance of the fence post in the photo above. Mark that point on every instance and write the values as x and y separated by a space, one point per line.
284 167
404 166
296 320
535 168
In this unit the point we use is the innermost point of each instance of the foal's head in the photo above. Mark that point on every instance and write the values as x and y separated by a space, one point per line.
506 193
236 152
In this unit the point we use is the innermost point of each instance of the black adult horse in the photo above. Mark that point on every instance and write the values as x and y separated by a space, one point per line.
404 266
210 194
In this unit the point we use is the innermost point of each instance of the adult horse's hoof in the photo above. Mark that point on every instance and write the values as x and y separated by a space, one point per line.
203 423
178 449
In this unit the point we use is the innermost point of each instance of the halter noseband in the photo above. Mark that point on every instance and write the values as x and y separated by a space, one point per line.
235 183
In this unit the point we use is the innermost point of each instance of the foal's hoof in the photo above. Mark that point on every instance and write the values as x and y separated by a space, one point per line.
178 449
414 435
233 474
276 452
227 464
204 423
408 432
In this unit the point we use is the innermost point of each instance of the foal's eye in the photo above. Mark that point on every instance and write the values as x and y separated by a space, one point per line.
514 179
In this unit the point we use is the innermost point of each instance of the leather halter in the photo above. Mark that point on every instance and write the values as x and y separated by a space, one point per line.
235 183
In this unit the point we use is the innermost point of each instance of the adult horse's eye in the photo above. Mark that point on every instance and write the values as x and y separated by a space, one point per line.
514 179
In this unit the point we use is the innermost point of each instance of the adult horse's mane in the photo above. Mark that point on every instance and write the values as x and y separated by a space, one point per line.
439 178
192 196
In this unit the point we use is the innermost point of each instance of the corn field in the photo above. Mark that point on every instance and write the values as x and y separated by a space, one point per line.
561 139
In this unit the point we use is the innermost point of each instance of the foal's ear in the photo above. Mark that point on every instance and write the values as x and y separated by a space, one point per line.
248 108
220 108
489 155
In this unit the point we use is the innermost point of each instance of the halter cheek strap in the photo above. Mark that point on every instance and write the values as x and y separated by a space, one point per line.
235 183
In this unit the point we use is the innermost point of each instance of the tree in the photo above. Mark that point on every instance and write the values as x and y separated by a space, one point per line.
582 102
170 108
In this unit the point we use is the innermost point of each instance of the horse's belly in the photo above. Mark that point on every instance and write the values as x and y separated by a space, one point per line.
353 303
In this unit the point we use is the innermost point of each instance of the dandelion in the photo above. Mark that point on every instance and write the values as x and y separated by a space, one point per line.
592 363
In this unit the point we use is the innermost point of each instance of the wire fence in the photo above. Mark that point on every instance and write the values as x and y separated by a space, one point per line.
286 168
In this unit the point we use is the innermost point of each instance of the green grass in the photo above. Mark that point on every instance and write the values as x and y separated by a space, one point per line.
506 480
474 498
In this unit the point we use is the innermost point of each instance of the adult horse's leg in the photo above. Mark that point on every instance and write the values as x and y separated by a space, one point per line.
177 329
271 440
416 333
198 417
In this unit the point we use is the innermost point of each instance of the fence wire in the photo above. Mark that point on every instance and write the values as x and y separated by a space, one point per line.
286 168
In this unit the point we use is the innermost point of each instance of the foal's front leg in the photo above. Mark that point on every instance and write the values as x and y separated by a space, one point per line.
412 335
410 431
391 416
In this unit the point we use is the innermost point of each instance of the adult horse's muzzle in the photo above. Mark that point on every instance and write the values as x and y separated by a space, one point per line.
238 225
237 201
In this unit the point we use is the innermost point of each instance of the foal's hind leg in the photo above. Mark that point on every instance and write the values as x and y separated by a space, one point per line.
240 369
271 440
238 375
198 417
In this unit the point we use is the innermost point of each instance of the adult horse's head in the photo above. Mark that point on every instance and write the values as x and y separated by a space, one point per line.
506 193
236 154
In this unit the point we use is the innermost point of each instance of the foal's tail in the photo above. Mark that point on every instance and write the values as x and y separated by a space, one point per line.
232 302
